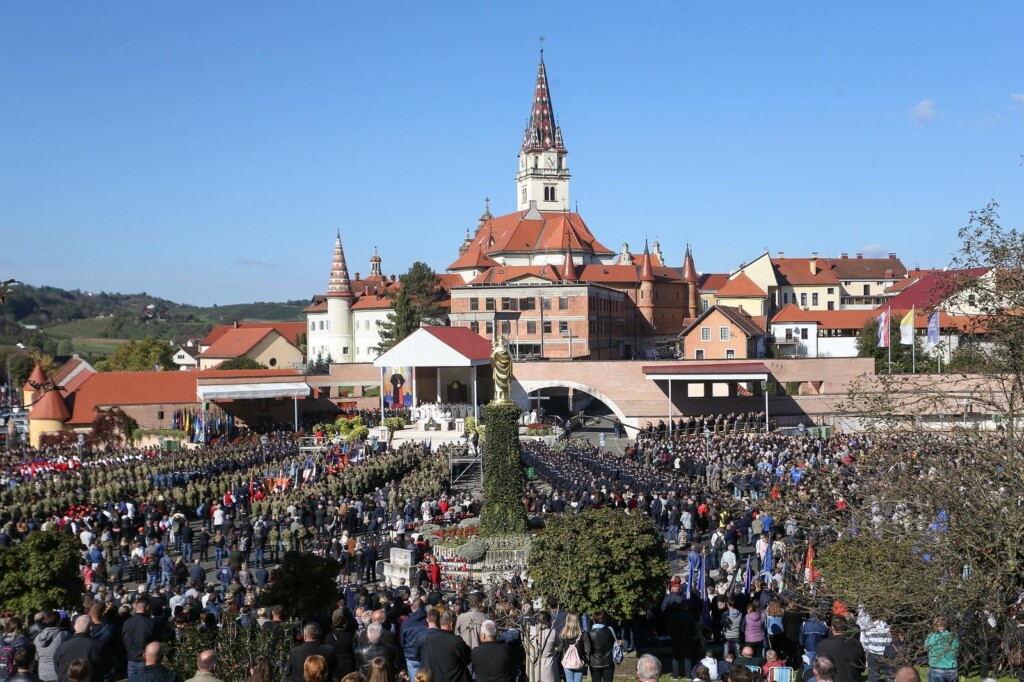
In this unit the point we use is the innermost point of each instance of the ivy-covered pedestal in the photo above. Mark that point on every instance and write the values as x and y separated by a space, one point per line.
503 512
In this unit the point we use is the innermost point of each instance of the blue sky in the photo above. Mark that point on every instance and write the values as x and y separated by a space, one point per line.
207 152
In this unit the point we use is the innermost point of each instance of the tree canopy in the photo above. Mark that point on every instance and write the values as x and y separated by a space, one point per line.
600 560
304 583
41 573
141 356
414 304
904 357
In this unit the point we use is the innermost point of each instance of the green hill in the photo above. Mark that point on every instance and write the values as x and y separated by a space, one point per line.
60 322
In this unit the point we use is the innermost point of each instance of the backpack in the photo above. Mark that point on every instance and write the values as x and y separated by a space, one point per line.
6 659
571 659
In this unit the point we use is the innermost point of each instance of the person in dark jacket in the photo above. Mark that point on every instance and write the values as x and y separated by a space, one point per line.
309 647
845 650
597 646
82 645
412 630
136 633
154 671
444 653
375 648
22 661
493 660
342 637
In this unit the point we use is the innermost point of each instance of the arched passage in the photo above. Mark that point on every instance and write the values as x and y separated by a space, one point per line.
522 389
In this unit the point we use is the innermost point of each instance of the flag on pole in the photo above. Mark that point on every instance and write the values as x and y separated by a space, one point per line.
767 568
907 329
689 581
933 329
746 578
809 571
883 330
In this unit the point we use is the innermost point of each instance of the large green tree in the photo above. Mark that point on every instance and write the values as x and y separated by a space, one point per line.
41 573
600 560
417 302
141 356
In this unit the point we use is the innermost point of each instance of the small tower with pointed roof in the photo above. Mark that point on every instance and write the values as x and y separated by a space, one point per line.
339 307
543 176
646 276
47 415
692 286
28 391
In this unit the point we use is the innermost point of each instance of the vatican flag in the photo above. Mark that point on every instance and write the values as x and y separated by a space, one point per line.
907 329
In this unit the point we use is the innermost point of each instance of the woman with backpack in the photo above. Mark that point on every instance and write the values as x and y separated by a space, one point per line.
571 648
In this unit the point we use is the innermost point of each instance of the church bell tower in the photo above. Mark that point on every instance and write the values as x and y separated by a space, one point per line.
543 176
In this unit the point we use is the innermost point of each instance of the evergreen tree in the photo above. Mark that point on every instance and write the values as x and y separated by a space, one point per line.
414 304
242 362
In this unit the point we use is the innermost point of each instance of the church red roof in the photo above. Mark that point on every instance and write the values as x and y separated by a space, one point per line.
50 406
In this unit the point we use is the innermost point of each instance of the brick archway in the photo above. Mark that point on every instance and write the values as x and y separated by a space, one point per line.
522 389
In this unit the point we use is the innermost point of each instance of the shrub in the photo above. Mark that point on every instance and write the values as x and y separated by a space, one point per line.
472 550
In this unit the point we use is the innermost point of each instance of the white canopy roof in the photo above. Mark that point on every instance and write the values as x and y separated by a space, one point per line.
290 389
438 347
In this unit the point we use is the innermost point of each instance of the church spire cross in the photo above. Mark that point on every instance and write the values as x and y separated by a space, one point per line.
542 130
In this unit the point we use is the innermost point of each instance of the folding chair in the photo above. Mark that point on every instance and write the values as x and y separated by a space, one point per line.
780 674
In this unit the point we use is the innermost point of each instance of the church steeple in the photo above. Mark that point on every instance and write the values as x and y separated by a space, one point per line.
543 177
339 285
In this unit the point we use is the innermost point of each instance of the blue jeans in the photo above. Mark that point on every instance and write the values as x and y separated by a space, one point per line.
186 553
134 668
259 556
943 675
218 557
672 535
413 667
574 675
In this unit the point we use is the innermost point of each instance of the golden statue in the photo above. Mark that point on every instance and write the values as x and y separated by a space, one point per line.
501 366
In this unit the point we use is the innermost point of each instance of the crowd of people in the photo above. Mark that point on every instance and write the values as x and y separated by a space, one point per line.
186 540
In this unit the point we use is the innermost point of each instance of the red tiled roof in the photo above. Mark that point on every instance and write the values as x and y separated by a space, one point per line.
371 302
868 268
794 313
72 374
237 342
797 271
511 233
741 286
149 388
750 326
932 288
714 281
449 280
50 406
289 330
318 305
509 273
463 340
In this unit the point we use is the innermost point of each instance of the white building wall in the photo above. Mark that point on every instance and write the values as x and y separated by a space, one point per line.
837 347
366 334
317 336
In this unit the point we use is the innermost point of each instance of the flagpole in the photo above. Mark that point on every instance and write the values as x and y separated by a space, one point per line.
888 335
913 343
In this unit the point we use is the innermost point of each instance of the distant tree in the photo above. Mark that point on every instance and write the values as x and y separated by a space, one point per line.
41 573
903 357
242 362
305 583
65 347
141 356
321 365
416 303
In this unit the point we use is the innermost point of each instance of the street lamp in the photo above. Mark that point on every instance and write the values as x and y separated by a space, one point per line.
707 442
263 441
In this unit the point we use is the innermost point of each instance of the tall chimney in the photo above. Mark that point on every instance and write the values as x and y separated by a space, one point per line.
782 254
860 255
844 255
